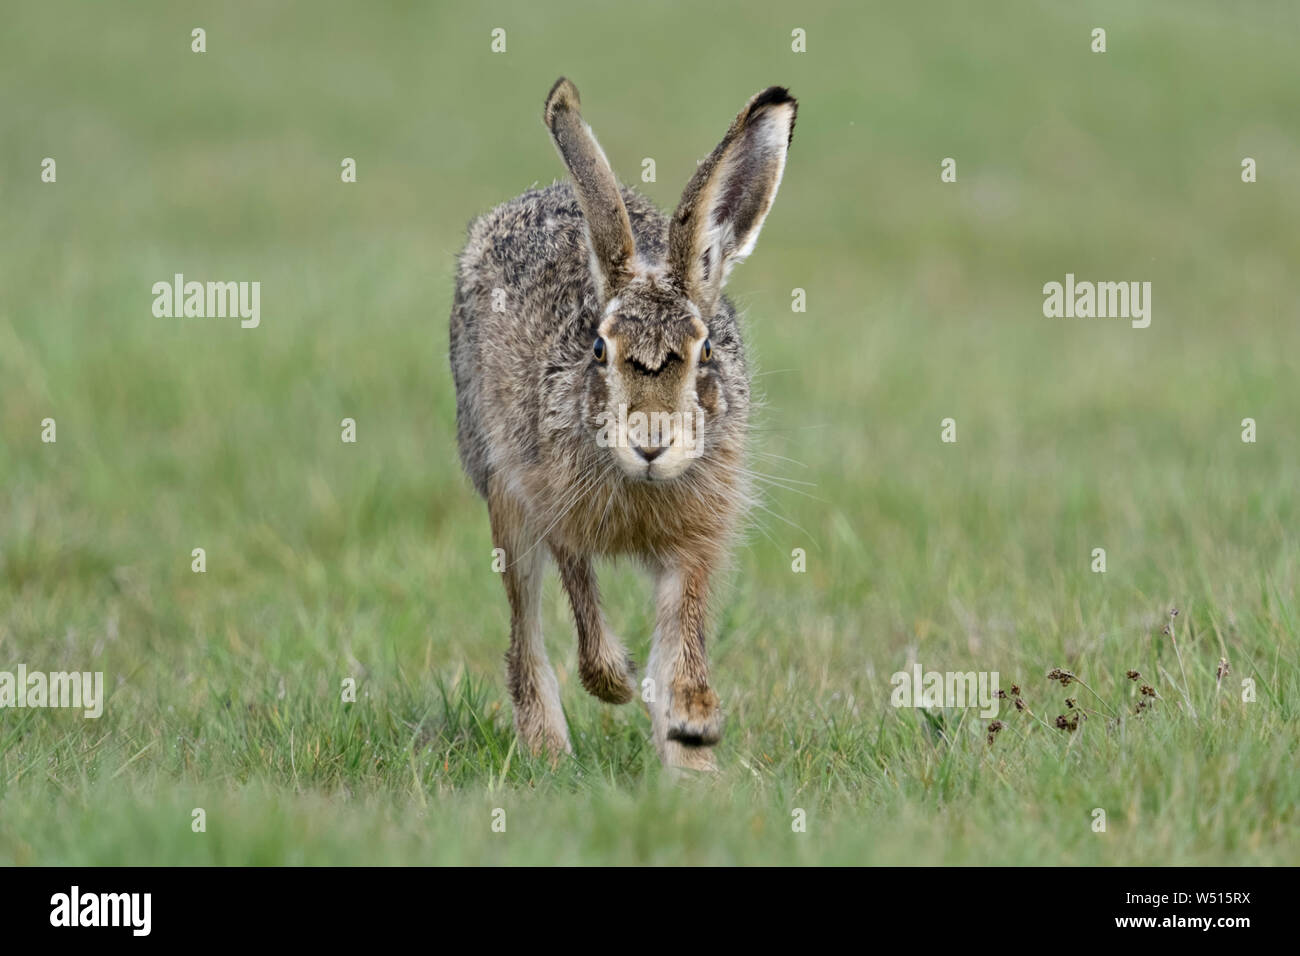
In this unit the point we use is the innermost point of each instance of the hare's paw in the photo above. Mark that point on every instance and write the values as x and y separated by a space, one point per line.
557 746
679 756
608 675
694 717
541 732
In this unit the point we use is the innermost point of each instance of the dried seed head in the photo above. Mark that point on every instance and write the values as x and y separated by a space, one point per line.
1133 675
1020 704
1148 690
994 729
1071 703
1223 669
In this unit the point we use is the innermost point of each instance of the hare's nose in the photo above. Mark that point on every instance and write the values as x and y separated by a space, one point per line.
649 452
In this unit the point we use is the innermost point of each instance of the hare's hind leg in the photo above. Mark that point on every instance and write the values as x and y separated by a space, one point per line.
603 665
539 719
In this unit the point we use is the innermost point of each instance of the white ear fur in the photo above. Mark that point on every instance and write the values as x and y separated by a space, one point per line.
722 211
772 141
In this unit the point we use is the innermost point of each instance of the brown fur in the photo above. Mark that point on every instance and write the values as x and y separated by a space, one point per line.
540 279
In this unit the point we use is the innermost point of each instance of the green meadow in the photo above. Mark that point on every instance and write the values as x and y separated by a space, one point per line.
371 560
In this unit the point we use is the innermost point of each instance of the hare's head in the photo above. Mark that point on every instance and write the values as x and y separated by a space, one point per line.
666 380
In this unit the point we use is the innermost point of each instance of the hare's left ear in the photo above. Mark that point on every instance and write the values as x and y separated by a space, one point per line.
722 210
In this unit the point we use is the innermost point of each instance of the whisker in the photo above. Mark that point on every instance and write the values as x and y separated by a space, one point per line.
572 499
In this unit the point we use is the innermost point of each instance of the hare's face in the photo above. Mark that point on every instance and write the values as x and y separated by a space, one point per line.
653 386
660 394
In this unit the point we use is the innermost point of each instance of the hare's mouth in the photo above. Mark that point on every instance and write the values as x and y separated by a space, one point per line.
657 472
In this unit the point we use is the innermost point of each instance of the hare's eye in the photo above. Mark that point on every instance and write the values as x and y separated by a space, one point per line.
599 350
706 351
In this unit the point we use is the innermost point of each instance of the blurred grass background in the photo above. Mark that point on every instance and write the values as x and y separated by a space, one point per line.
328 560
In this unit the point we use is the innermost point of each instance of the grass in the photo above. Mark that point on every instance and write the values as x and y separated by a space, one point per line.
373 561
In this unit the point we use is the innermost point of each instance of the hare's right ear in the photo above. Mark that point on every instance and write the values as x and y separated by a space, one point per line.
609 231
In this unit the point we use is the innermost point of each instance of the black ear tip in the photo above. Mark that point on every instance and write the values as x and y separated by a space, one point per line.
563 96
775 96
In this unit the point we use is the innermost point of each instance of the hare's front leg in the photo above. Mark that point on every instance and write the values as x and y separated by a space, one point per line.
539 719
603 664
685 713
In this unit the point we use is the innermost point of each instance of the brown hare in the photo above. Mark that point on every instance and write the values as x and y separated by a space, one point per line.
602 408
